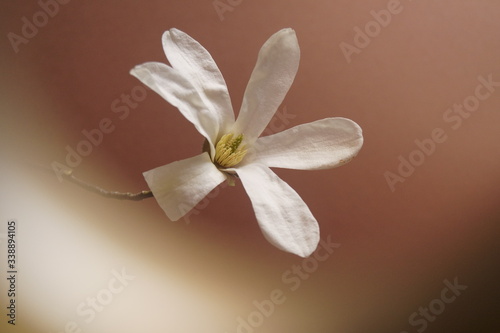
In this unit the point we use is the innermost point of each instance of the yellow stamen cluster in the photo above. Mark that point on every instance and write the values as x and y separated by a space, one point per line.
228 152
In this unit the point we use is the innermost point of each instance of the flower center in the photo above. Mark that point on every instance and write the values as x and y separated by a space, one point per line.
228 151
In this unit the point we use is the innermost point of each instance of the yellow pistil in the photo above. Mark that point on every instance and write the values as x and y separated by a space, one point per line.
228 151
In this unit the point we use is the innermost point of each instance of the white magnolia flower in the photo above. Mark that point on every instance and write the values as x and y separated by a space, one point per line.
194 84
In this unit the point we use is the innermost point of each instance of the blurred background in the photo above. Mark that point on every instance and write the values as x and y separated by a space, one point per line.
415 230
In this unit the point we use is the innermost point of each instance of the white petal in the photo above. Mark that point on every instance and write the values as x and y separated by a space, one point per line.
179 186
284 218
322 144
178 91
190 58
271 79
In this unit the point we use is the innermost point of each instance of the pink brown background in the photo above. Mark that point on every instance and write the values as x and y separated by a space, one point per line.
201 274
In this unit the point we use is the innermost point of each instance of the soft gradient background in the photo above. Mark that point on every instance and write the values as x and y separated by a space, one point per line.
201 274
